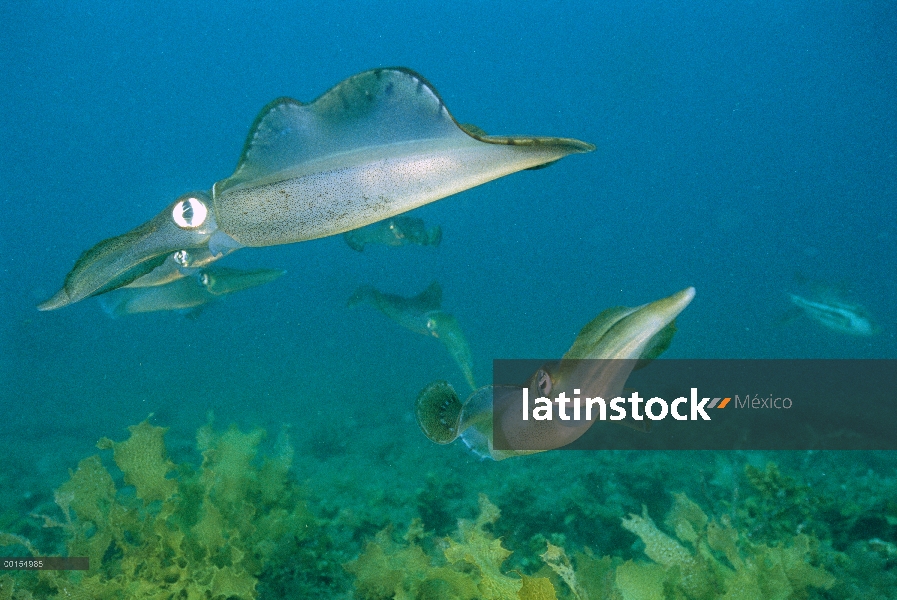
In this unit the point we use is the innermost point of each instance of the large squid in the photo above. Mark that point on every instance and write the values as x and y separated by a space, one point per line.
619 338
376 145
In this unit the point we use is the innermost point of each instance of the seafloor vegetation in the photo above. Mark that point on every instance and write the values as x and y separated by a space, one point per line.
233 521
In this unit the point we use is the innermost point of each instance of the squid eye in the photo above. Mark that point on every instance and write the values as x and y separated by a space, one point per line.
182 257
543 382
205 280
189 213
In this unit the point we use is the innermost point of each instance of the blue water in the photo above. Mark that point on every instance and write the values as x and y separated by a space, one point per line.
738 145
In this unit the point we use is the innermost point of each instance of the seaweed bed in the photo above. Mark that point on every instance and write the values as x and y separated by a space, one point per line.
232 519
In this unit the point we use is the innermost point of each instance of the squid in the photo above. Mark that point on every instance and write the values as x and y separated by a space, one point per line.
398 231
376 145
187 294
620 338
423 314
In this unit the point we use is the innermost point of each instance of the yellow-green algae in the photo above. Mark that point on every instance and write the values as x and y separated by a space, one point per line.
707 559
467 567
172 531
710 560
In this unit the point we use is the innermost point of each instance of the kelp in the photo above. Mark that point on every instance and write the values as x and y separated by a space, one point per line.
236 526
709 559
174 531
465 566
704 558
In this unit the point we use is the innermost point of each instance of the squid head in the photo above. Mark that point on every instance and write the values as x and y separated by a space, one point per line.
189 222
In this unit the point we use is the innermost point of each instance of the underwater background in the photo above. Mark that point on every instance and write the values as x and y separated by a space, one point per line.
742 148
